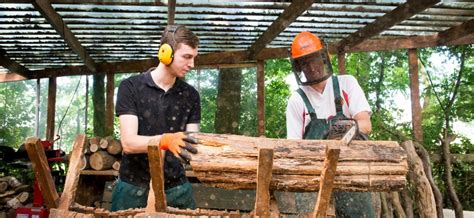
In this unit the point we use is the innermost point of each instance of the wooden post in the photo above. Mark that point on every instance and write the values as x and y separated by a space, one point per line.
157 177
51 109
341 63
260 98
415 95
327 179
72 178
42 172
264 177
109 104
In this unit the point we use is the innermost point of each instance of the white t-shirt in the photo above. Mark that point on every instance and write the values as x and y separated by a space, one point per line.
297 116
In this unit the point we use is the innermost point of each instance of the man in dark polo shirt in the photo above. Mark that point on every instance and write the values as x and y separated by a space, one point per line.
158 105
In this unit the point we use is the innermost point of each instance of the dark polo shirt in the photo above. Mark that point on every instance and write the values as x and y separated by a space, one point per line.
158 112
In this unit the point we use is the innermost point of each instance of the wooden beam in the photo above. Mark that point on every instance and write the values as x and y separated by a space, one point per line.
264 177
341 63
12 65
241 57
48 12
289 15
171 11
11 77
415 95
51 109
456 32
260 98
42 171
404 43
390 19
73 173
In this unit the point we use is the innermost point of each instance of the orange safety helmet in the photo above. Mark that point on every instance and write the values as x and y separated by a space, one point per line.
305 43
305 49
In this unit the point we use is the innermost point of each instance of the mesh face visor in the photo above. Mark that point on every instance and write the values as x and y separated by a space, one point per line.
312 68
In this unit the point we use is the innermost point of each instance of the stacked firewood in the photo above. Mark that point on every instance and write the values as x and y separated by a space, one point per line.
13 193
102 153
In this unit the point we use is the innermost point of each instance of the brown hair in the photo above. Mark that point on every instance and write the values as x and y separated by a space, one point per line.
176 34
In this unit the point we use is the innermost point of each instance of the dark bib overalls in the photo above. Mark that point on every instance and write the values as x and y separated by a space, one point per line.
348 204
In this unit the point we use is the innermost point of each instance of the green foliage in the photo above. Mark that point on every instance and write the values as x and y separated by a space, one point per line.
277 92
17 106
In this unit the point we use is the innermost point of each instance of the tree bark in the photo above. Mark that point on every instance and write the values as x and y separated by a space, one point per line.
228 101
425 198
229 161
98 100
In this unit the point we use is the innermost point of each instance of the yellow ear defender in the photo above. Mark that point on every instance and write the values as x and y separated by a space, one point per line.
166 52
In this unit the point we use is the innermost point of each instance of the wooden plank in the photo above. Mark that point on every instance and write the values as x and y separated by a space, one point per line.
171 11
456 32
11 77
51 109
415 95
56 21
100 172
260 98
264 176
327 180
42 172
72 178
157 176
288 16
109 104
13 66
390 19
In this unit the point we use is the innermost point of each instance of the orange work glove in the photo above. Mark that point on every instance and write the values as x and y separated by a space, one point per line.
175 141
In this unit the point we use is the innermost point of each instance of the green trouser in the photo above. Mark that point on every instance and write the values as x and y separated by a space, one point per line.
348 204
127 196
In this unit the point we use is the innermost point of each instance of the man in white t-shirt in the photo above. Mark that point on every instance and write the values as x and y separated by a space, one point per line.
322 100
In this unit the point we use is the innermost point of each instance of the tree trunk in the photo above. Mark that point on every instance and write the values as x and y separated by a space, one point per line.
98 100
228 101
230 161
425 198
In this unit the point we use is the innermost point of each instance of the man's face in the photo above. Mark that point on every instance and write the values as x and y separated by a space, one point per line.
312 66
183 59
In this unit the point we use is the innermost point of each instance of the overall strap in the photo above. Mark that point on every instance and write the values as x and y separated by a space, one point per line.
337 95
312 112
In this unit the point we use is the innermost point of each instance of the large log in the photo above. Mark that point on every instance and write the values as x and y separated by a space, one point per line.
230 161
101 160
115 147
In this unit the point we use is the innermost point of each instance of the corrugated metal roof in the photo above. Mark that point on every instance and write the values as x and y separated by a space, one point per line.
113 31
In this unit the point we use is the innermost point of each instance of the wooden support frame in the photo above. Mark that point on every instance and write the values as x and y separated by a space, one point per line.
415 95
42 172
74 171
109 103
51 109
260 98
264 177
157 190
13 66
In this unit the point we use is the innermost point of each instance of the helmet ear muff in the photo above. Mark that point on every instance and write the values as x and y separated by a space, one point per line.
165 54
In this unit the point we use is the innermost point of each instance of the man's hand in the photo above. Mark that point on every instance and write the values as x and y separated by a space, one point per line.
338 128
175 141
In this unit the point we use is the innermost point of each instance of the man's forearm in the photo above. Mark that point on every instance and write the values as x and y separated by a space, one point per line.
135 144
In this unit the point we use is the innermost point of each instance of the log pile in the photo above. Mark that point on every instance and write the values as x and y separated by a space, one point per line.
230 161
13 193
102 154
